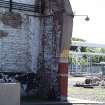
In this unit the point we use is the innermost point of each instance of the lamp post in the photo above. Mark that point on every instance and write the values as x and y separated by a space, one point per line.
86 16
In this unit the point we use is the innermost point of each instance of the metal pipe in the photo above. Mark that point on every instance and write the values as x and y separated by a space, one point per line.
42 6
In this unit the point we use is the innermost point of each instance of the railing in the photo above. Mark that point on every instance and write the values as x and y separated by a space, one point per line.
21 6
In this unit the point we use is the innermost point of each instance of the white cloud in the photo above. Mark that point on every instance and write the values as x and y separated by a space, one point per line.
92 31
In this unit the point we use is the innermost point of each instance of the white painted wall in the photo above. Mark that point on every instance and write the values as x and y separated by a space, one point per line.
20 48
9 94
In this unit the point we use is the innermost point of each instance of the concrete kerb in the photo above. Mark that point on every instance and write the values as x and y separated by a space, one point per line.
70 101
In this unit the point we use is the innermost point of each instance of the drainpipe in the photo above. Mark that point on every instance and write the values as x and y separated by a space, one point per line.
63 68
63 61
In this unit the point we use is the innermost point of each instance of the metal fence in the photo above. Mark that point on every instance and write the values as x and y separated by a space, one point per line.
21 6
86 66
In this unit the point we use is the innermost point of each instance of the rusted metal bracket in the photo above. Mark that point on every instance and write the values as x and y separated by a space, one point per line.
10 3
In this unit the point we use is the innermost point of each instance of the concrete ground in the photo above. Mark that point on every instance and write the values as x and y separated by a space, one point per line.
82 98
65 103
48 103
71 101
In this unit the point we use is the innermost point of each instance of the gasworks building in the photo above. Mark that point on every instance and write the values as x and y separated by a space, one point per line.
34 42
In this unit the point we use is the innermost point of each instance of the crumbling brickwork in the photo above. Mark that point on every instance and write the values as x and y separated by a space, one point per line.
12 19
50 46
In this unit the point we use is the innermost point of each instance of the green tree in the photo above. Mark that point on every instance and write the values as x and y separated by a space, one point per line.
102 50
78 39
95 58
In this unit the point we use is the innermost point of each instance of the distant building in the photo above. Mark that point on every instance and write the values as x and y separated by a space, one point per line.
89 67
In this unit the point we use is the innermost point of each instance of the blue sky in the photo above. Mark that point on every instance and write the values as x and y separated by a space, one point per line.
94 30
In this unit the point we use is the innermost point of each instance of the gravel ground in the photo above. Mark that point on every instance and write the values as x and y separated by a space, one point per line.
96 94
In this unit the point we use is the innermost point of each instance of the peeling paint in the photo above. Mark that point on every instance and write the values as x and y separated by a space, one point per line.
12 19
3 34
